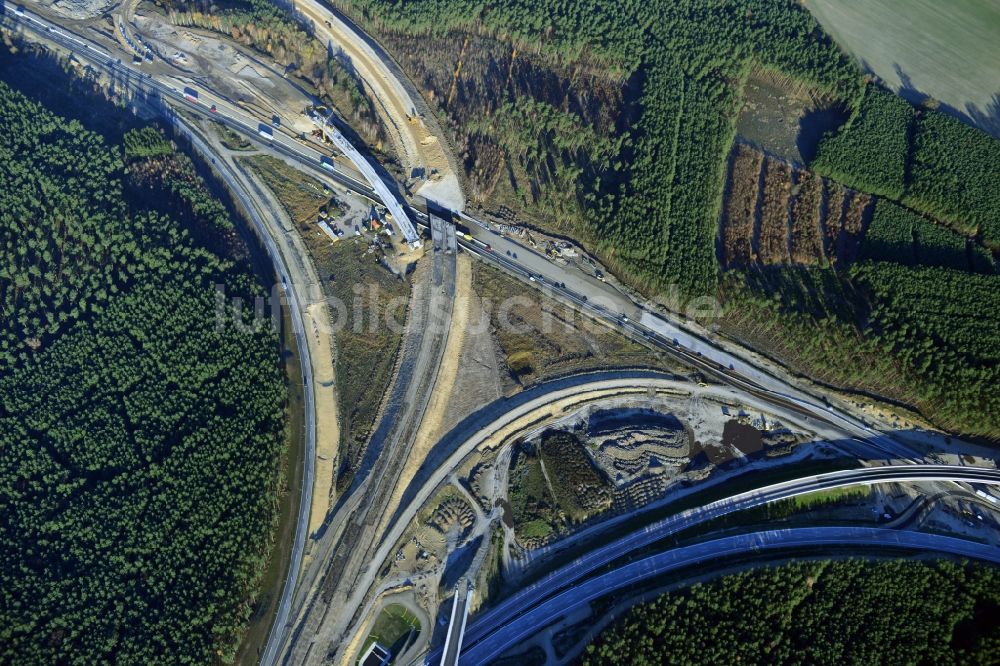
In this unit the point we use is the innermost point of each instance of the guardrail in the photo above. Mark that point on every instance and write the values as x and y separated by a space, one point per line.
399 215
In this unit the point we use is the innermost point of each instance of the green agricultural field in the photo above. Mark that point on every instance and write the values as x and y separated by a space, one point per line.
393 627
947 50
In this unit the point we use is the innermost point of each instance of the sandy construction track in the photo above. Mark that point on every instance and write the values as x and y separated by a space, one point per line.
321 349
433 423
229 69
420 151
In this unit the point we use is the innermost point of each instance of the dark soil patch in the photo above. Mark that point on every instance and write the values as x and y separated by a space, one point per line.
785 121
746 439
508 514
610 420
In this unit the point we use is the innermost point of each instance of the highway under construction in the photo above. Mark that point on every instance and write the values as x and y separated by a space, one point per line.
346 565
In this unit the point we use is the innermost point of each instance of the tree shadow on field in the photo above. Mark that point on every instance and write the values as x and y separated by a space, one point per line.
987 119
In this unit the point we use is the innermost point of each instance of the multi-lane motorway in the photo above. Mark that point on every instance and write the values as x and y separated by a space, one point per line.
586 293
595 298
99 57
602 301
475 431
573 574
142 79
483 648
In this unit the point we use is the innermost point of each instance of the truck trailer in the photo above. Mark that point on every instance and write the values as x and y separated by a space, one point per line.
989 498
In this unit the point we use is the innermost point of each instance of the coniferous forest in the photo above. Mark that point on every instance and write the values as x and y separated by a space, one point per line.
139 441
646 193
612 123
839 612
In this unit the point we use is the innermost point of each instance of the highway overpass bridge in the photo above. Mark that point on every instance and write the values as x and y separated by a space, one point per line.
362 164
488 646
596 299
456 625
561 583
694 350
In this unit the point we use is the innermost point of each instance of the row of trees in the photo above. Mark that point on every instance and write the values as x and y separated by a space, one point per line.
140 443
927 159
915 316
838 612
900 235
257 23
607 32
662 223
651 208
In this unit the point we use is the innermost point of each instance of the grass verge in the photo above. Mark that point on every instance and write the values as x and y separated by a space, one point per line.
273 580
394 628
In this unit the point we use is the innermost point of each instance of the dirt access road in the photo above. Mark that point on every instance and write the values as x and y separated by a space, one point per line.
317 331
421 151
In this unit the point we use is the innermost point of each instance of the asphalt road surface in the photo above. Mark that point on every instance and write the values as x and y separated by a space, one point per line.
488 647
456 625
604 301
572 574
585 292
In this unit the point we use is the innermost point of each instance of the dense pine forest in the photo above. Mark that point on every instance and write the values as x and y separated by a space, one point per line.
139 441
612 122
911 310
932 162
840 612
609 120
870 153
